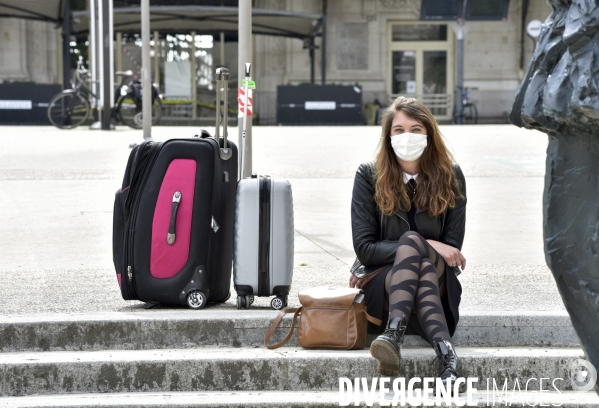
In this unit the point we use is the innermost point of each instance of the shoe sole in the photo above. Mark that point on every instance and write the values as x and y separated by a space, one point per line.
388 357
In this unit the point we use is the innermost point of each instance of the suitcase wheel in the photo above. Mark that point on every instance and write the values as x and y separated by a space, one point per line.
278 303
196 299
244 302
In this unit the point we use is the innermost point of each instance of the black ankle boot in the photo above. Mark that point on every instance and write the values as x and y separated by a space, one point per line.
448 363
386 347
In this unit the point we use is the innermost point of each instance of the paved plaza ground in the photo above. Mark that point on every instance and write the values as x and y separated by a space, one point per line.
57 199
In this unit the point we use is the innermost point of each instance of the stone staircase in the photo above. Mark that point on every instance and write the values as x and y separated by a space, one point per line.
215 358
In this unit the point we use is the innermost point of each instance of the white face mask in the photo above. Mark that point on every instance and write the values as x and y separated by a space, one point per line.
408 146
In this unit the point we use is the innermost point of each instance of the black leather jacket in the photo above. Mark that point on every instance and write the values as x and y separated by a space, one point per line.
375 235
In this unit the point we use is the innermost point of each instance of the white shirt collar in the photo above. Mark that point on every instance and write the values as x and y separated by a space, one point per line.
407 177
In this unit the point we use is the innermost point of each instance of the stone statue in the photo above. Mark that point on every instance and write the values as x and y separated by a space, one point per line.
560 96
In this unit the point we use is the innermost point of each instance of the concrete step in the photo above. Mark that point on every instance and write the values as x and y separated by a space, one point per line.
256 369
286 399
182 328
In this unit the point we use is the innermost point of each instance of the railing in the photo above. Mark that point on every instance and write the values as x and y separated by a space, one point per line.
183 109
440 105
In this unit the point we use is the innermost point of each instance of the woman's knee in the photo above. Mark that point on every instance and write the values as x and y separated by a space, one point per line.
411 236
413 240
410 244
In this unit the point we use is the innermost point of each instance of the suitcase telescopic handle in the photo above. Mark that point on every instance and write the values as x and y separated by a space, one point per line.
222 92
170 237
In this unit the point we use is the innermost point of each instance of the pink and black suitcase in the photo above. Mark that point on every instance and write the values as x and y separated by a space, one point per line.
174 218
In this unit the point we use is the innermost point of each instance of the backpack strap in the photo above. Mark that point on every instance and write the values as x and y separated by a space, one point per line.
296 312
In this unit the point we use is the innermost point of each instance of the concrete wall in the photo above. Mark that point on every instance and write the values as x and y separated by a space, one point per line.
357 52
270 63
356 40
492 59
29 51
492 52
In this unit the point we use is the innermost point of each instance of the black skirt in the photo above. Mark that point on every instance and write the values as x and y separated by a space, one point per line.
374 294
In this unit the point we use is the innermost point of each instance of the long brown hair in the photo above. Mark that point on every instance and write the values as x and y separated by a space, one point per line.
437 185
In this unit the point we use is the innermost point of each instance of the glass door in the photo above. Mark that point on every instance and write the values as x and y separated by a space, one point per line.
404 72
421 62
434 82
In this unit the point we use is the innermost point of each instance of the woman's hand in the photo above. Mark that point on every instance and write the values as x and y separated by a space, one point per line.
354 282
451 255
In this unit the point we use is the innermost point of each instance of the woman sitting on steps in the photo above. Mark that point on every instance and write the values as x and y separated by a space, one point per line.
408 221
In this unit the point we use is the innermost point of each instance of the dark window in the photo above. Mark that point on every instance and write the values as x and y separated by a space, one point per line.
486 10
419 32
440 10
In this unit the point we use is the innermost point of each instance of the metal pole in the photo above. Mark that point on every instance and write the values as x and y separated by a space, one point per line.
525 4
222 48
324 42
66 47
107 55
245 55
246 90
459 27
460 75
111 52
95 60
156 57
59 52
312 61
93 44
100 64
118 52
146 81
194 85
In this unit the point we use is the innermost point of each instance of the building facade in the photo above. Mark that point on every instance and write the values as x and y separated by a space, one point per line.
380 45
29 51
383 46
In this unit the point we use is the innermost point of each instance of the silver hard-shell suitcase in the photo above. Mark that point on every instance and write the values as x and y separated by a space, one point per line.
263 250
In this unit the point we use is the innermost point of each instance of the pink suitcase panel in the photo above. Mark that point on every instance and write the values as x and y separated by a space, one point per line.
166 260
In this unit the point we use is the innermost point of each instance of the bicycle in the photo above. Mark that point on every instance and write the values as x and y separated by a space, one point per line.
128 106
71 107
469 110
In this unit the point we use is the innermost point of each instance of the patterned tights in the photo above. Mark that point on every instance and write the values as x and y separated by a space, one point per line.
417 280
